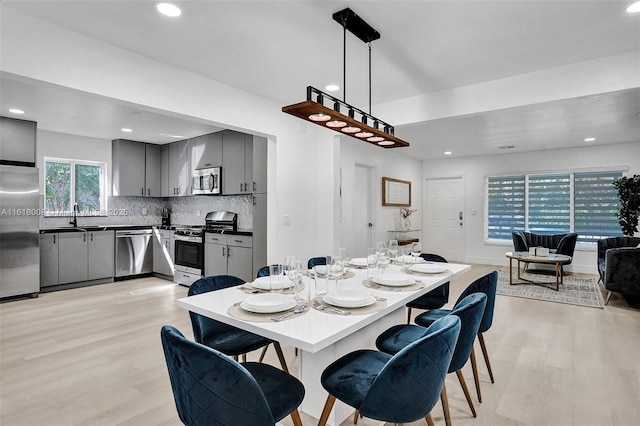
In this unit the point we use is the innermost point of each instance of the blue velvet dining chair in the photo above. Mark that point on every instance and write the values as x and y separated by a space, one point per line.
223 337
469 311
209 388
398 388
316 261
436 298
487 284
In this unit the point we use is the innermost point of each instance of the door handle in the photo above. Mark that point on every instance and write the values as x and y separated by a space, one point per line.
370 225
460 215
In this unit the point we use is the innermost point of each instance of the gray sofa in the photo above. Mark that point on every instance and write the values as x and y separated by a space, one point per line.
619 265
557 243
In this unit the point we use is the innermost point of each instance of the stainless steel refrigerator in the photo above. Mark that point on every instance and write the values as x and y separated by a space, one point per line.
19 231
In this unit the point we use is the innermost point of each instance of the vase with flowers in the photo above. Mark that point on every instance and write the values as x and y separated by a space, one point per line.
405 218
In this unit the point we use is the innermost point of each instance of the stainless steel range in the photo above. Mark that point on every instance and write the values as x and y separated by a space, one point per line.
189 254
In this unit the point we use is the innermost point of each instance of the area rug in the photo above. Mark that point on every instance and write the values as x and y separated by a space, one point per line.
577 289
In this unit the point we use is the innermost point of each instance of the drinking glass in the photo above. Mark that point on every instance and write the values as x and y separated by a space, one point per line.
276 283
320 273
379 246
416 249
336 269
393 249
343 254
372 262
383 259
294 272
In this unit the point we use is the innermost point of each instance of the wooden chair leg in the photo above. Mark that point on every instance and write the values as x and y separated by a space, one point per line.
283 362
264 352
476 379
445 406
408 315
295 416
326 410
429 420
466 392
355 416
606 302
235 357
485 354
244 357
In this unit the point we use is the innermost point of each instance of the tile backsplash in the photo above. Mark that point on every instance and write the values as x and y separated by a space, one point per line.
148 211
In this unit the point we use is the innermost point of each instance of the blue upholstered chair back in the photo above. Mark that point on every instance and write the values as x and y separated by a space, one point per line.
203 326
210 388
409 385
442 291
316 261
263 272
470 311
488 285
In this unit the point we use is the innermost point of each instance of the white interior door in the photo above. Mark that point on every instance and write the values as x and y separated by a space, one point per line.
444 218
361 212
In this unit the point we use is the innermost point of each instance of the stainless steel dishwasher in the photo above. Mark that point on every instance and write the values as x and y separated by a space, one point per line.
134 255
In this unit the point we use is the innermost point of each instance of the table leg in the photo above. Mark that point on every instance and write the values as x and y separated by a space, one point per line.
510 271
557 276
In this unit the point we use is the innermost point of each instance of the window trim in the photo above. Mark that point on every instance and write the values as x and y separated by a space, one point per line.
73 163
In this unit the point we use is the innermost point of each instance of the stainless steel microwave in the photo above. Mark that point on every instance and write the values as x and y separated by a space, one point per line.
207 181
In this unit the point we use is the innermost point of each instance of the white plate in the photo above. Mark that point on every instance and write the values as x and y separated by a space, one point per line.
349 299
268 303
394 280
408 259
427 268
264 283
358 261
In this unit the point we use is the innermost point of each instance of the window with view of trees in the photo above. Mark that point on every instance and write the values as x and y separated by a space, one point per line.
70 181
581 202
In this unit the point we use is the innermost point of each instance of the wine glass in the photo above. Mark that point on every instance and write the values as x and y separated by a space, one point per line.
380 246
343 254
383 259
294 272
416 249
393 248
336 269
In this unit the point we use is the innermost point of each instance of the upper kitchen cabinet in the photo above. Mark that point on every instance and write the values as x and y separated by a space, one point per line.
17 142
135 168
179 168
206 151
244 165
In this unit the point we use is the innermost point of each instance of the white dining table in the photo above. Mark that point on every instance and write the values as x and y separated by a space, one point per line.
322 337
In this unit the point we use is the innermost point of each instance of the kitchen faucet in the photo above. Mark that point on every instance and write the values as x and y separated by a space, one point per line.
76 210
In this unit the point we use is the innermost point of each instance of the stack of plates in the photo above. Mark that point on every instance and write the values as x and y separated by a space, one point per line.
394 280
427 268
359 262
279 282
268 303
349 299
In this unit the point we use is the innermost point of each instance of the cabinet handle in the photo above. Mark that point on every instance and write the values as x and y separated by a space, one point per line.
54 238
241 187
238 241
254 200
228 251
84 237
224 251
148 192
142 189
254 186
92 237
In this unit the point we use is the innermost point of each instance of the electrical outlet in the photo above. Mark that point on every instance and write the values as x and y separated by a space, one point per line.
144 211
286 221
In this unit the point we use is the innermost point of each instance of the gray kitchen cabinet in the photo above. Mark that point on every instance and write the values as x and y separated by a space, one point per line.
259 166
18 140
48 260
152 170
163 252
228 255
165 190
72 256
259 242
100 254
206 151
179 167
233 163
135 168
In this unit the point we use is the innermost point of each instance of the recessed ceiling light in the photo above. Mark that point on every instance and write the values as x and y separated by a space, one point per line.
447 153
169 9
16 111
332 87
126 130
634 8
589 139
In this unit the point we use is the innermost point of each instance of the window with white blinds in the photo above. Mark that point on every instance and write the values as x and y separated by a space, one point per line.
596 203
581 202
506 206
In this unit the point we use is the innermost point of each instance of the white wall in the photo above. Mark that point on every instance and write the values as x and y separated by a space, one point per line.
475 169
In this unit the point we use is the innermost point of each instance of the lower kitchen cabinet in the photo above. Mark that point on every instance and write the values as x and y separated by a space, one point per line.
72 257
228 255
100 252
48 260
163 252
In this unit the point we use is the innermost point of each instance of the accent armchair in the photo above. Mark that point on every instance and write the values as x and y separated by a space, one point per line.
619 265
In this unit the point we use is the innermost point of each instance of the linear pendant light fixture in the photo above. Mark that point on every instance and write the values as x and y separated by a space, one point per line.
356 123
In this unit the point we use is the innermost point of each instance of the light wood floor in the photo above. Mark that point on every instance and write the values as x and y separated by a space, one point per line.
92 356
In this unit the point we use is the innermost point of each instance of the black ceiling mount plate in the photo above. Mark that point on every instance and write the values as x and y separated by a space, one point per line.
356 25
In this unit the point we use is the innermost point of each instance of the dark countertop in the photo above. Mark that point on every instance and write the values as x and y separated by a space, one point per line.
94 228
246 232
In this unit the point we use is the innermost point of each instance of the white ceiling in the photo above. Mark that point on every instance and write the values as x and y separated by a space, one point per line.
276 48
